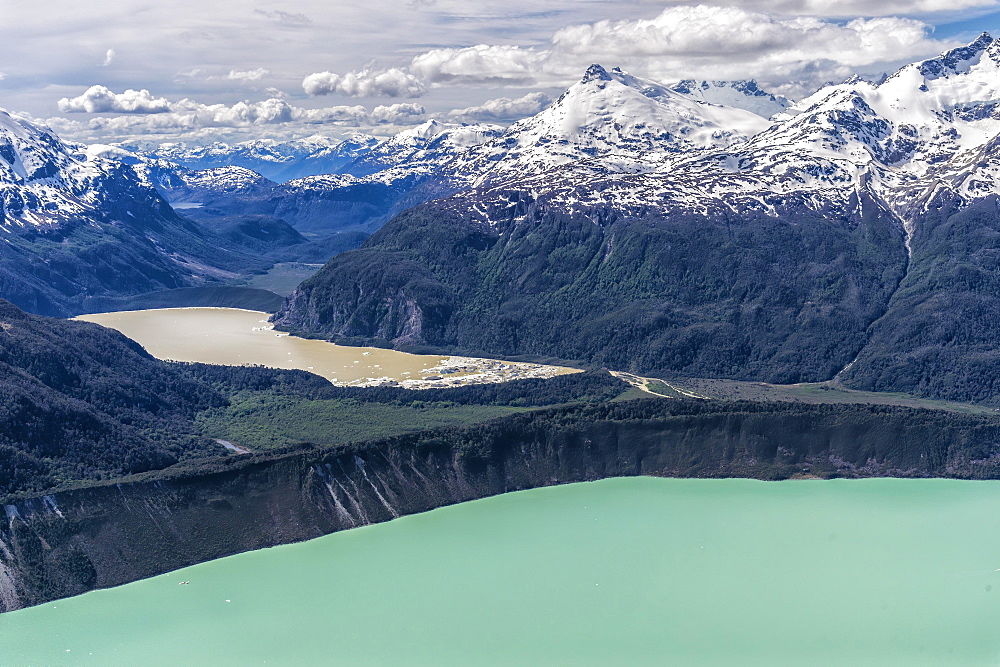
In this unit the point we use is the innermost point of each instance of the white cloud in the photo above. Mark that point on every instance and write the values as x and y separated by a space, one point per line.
108 58
187 113
481 64
518 46
190 73
392 82
787 54
351 115
248 75
99 99
284 18
270 117
397 114
851 8
693 35
3 75
504 108
790 54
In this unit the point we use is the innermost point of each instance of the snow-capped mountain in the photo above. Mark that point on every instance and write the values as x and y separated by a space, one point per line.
900 137
745 95
45 182
930 123
852 236
609 122
613 117
277 161
609 115
425 147
78 227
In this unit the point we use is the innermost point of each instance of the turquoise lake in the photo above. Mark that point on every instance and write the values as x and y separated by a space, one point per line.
625 571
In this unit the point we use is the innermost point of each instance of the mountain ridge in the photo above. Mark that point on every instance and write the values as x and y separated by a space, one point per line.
797 248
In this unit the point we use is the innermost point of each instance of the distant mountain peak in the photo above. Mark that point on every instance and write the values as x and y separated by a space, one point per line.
597 73
952 61
743 94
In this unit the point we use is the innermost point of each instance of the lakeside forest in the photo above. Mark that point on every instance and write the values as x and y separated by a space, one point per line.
84 404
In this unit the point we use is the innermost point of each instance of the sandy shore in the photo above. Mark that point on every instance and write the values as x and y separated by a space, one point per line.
459 371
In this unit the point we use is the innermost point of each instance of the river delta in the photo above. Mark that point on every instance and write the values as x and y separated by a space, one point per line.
237 337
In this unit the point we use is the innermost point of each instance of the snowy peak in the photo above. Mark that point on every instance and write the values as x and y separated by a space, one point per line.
427 146
45 182
954 61
595 73
30 153
278 161
923 116
611 116
745 95
419 135
965 76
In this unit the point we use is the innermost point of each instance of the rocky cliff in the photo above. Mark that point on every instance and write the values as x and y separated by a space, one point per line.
106 535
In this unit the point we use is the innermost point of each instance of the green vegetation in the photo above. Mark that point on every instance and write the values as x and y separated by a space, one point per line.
940 335
269 408
661 388
78 401
820 392
138 247
786 299
215 296
589 387
750 296
283 277
268 419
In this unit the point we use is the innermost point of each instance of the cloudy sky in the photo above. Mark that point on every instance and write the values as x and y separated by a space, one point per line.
206 70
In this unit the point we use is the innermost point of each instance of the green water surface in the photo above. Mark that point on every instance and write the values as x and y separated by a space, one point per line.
626 571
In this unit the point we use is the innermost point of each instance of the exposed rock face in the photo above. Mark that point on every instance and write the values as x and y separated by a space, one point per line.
74 541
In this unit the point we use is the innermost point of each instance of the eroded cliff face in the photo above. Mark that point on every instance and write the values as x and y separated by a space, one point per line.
70 542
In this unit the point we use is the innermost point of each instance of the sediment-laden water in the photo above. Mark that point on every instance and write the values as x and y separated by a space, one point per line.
234 337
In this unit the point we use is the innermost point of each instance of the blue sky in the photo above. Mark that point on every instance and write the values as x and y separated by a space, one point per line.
201 70
967 27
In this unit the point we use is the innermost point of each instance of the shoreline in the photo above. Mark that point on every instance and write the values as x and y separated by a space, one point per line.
138 526
423 371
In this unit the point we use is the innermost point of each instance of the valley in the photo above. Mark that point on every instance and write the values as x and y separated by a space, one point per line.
241 341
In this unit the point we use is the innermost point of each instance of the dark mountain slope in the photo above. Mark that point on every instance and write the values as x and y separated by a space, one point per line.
774 258
783 298
941 333
74 227
78 401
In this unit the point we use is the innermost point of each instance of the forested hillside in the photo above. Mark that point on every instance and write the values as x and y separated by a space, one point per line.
78 401
781 299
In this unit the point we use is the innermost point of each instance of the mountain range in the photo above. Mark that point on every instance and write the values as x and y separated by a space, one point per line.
702 228
78 229
852 237
693 232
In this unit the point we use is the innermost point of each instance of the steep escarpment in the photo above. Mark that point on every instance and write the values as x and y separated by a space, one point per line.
105 535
